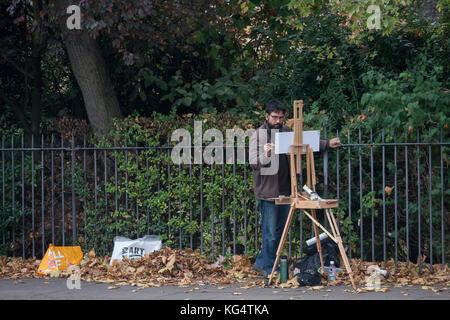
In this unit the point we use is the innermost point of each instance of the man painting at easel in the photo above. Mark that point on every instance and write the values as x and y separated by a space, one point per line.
269 184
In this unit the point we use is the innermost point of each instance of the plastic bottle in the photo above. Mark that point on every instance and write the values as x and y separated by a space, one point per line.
283 269
328 270
333 271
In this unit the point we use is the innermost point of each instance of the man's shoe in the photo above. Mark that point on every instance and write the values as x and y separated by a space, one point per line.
260 270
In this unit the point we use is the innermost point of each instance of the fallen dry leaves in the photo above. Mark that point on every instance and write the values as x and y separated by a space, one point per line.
188 268
160 268
403 275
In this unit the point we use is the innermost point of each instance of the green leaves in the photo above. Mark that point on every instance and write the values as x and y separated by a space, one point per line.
157 197
282 46
406 98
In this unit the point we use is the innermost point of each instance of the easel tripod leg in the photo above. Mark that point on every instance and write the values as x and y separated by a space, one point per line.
333 223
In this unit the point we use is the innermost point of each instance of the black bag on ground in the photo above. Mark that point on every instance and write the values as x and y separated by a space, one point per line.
306 268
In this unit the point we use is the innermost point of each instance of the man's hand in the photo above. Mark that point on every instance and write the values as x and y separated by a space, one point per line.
268 149
335 143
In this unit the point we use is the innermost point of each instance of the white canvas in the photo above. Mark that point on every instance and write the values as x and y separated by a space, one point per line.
283 141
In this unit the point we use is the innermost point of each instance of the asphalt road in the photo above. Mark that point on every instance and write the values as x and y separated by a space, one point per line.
57 289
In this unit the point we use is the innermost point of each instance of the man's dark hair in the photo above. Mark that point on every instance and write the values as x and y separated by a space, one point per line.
275 105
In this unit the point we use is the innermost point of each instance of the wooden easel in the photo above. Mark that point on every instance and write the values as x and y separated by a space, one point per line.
298 201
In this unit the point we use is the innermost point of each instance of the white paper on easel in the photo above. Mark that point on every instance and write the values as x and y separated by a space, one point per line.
284 140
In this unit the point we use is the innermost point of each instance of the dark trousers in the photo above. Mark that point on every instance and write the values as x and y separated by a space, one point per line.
273 220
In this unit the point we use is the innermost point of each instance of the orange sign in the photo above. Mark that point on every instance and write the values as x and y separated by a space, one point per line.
58 259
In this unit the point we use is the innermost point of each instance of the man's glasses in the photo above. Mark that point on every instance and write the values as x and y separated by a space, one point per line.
277 118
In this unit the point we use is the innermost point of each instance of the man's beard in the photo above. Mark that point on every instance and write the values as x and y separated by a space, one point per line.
274 126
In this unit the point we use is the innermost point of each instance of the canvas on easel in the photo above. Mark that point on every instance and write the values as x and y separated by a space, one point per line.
311 202
283 141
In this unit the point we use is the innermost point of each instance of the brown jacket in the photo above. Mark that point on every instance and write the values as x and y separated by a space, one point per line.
271 174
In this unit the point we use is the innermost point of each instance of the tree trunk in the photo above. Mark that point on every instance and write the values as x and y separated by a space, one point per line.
39 45
92 76
36 93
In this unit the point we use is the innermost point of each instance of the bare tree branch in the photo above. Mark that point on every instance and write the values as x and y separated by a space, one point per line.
21 70
18 111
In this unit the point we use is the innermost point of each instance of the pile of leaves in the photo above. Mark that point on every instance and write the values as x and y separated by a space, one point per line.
159 268
187 267
404 274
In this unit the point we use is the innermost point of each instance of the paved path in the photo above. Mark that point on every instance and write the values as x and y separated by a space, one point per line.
56 289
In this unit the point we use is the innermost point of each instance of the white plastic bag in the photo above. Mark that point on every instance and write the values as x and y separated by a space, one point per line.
134 249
